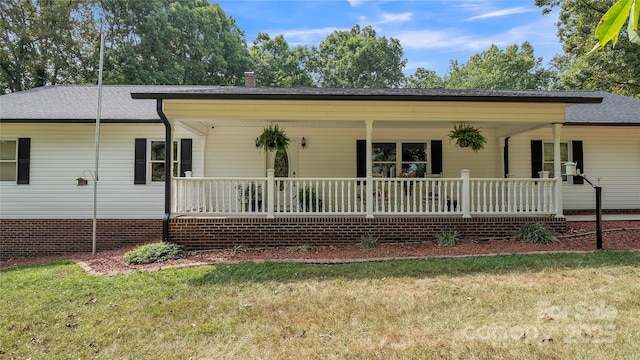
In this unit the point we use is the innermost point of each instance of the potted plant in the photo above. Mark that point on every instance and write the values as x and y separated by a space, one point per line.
308 200
272 140
251 195
466 136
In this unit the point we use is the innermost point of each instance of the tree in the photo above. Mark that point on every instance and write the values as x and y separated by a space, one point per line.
172 42
358 59
424 79
514 68
45 42
610 69
275 64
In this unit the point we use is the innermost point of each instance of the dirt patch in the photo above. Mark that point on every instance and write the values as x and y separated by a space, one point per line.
617 235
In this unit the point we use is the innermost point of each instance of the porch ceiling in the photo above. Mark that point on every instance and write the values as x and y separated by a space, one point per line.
338 113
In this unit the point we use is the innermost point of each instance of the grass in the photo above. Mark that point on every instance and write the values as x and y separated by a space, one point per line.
556 306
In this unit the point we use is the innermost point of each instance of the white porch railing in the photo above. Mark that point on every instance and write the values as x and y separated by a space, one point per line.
512 196
347 196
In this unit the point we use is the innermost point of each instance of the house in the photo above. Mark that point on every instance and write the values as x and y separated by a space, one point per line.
221 193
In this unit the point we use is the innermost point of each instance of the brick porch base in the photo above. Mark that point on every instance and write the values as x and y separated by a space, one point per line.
217 233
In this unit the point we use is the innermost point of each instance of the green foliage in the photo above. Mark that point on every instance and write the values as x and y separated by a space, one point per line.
424 79
466 135
447 238
172 42
611 69
358 58
515 67
273 139
536 233
612 21
307 199
46 43
152 253
368 241
275 64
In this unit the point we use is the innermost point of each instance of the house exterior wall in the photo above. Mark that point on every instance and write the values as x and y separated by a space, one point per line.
331 151
60 153
611 158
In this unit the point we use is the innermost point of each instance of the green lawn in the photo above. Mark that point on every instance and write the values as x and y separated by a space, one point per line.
557 306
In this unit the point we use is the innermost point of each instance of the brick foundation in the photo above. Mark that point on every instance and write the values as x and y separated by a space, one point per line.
34 237
217 233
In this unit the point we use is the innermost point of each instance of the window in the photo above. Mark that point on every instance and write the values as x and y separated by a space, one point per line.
412 162
157 158
8 160
149 158
547 158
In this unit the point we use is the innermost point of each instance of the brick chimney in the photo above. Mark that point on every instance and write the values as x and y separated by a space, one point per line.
249 79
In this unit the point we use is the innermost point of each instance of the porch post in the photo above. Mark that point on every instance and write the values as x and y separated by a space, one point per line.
466 193
557 169
270 193
369 187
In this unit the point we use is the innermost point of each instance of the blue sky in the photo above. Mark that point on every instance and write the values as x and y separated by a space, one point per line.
431 32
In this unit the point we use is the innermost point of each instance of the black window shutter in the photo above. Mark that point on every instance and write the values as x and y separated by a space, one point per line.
536 158
140 169
186 149
24 162
361 158
578 158
436 156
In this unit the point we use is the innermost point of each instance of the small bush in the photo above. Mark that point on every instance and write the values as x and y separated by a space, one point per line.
447 238
536 233
153 253
368 242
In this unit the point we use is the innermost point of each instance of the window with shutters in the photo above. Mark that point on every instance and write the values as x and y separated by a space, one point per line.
392 159
149 160
157 159
8 160
547 158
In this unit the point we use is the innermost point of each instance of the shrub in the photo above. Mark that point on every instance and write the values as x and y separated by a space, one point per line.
368 242
447 238
152 253
536 233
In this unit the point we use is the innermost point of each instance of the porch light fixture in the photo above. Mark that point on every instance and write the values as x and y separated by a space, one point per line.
571 170
257 142
304 142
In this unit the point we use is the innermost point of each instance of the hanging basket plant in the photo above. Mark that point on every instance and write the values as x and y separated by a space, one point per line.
273 139
467 136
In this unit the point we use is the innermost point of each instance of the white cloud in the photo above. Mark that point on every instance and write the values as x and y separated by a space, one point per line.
307 36
391 18
441 39
501 13
355 2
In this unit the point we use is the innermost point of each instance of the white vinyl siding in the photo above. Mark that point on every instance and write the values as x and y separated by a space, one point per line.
61 153
611 158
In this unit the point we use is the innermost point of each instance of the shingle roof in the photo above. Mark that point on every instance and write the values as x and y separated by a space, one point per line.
79 103
614 110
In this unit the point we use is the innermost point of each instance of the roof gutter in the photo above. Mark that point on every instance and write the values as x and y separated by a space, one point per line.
367 97
167 170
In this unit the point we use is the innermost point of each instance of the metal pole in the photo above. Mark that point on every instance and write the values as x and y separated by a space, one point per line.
598 217
95 171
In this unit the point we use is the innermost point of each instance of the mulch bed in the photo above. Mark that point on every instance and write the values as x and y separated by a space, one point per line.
617 235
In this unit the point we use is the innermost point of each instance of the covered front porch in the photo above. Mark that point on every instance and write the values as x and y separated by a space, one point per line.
347 156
